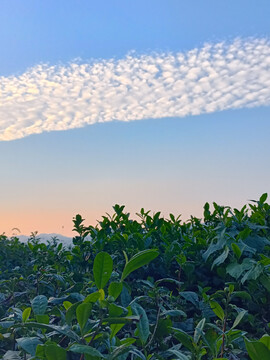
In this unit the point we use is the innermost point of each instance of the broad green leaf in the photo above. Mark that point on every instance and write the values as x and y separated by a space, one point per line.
29 344
103 266
215 246
253 273
119 351
55 352
266 341
85 349
257 242
143 324
40 352
198 331
115 310
190 296
221 258
67 304
236 270
217 309
26 313
140 259
39 304
92 298
184 338
257 350
115 328
239 317
43 319
115 289
83 312
241 294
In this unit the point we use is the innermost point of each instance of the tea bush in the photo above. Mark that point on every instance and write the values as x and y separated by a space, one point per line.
151 288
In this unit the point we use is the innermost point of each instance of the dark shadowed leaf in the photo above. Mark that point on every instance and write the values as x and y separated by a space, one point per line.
29 344
39 304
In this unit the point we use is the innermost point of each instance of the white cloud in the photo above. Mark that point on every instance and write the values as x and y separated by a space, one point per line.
214 78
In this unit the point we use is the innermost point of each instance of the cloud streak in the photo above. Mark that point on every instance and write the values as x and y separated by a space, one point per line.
213 78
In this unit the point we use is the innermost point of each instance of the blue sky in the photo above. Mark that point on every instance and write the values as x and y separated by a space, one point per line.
157 104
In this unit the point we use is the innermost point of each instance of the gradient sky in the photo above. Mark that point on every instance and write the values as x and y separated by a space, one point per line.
157 104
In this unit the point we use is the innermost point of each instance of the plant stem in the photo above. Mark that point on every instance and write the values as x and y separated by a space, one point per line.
155 329
224 326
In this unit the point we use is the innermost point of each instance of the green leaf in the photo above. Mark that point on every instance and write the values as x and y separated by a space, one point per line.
221 258
39 304
103 266
115 310
85 349
83 312
217 309
241 294
120 350
174 313
266 341
253 273
115 289
239 317
263 198
198 331
236 250
184 338
143 324
67 304
43 319
29 344
257 350
190 296
71 312
40 352
115 328
92 298
55 352
236 270
26 313
140 259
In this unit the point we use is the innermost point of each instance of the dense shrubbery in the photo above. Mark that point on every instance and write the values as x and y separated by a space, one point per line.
146 289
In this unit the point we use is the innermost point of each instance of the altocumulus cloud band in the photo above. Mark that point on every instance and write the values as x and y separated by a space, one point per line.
215 77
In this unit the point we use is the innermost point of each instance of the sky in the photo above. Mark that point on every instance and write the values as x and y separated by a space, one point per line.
157 104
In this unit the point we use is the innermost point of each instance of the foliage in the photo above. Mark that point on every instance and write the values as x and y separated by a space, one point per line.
152 288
